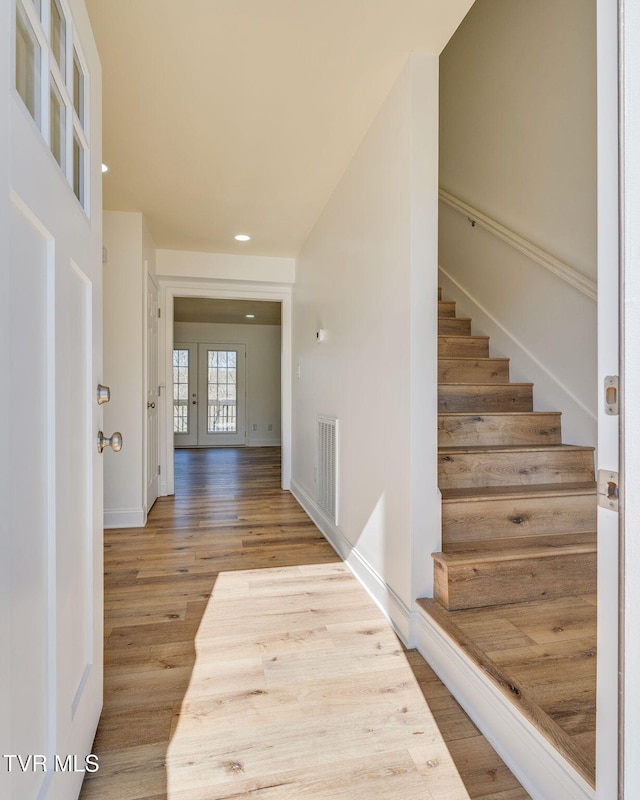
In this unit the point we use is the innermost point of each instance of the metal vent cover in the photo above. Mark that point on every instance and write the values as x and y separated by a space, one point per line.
328 466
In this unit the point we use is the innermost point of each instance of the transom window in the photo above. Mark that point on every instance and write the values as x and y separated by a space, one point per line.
52 82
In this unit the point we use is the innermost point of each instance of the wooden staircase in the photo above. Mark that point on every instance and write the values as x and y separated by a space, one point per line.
518 506
518 534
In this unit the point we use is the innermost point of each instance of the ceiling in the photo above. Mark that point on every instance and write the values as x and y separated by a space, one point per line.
230 312
239 116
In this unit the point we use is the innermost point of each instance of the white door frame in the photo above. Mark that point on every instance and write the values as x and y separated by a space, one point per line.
171 288
630 378
607 728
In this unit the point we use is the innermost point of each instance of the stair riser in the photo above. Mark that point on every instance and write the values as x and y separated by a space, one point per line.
457 327
514 468
479 520
495 583
446 309
485 429
469 370
463 347
492 397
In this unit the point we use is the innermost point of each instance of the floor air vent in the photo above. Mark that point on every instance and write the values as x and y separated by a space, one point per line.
328 466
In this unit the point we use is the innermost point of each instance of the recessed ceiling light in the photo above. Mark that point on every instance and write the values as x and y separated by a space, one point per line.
105 168
242 237
250 316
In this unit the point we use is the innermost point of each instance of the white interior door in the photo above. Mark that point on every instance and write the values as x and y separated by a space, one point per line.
221 395
153 399
53 304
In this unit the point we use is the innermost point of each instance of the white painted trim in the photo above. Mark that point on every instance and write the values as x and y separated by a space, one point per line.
539 767
559 268
125 518
263 442
392 606
488 317
232 290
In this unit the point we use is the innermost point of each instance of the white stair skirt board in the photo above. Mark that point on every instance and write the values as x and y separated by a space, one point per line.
392 606
125 518
536 764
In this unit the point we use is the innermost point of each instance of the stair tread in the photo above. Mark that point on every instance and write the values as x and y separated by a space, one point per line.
461 336
515 549
573 752
472 358
514 448
482 384
518 491
499 413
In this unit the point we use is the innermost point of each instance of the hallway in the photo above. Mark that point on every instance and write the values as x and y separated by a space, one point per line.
183 599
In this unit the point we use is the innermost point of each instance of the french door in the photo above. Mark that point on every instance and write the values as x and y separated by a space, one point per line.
209 395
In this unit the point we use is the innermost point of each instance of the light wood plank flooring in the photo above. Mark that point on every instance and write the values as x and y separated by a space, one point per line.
242 659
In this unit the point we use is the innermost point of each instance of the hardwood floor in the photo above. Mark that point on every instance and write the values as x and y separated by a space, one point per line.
515 583
242 659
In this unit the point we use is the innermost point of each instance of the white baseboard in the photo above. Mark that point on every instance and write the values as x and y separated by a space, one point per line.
263 442
538 766
392 606
125 518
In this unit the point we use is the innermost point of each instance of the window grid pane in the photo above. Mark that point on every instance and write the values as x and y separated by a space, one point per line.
27 64
78 88
58 39
181 391
222 406
58 127
78 169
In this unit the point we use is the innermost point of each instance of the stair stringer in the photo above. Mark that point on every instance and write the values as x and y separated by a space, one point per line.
579 423
536 763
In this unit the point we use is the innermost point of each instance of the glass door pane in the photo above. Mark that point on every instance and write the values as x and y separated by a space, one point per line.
181 391
222 400
27 64
58 39
58 126
221 395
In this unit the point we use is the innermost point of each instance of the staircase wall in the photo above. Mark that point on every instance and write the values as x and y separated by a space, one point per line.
545 326
518 143
368 276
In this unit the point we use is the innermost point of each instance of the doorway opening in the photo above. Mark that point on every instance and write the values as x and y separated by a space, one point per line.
226 373
226 369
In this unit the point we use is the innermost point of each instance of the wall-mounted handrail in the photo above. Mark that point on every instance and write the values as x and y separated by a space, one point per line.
559 268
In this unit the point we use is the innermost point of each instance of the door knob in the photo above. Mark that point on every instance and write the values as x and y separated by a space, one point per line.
151 405
115 442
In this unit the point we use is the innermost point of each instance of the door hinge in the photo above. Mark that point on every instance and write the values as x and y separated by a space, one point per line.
159 313
159 469
612 395
608 489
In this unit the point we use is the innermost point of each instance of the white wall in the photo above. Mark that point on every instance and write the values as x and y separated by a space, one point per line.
518 121
129 247
263 347
367 274
518 143
223 266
